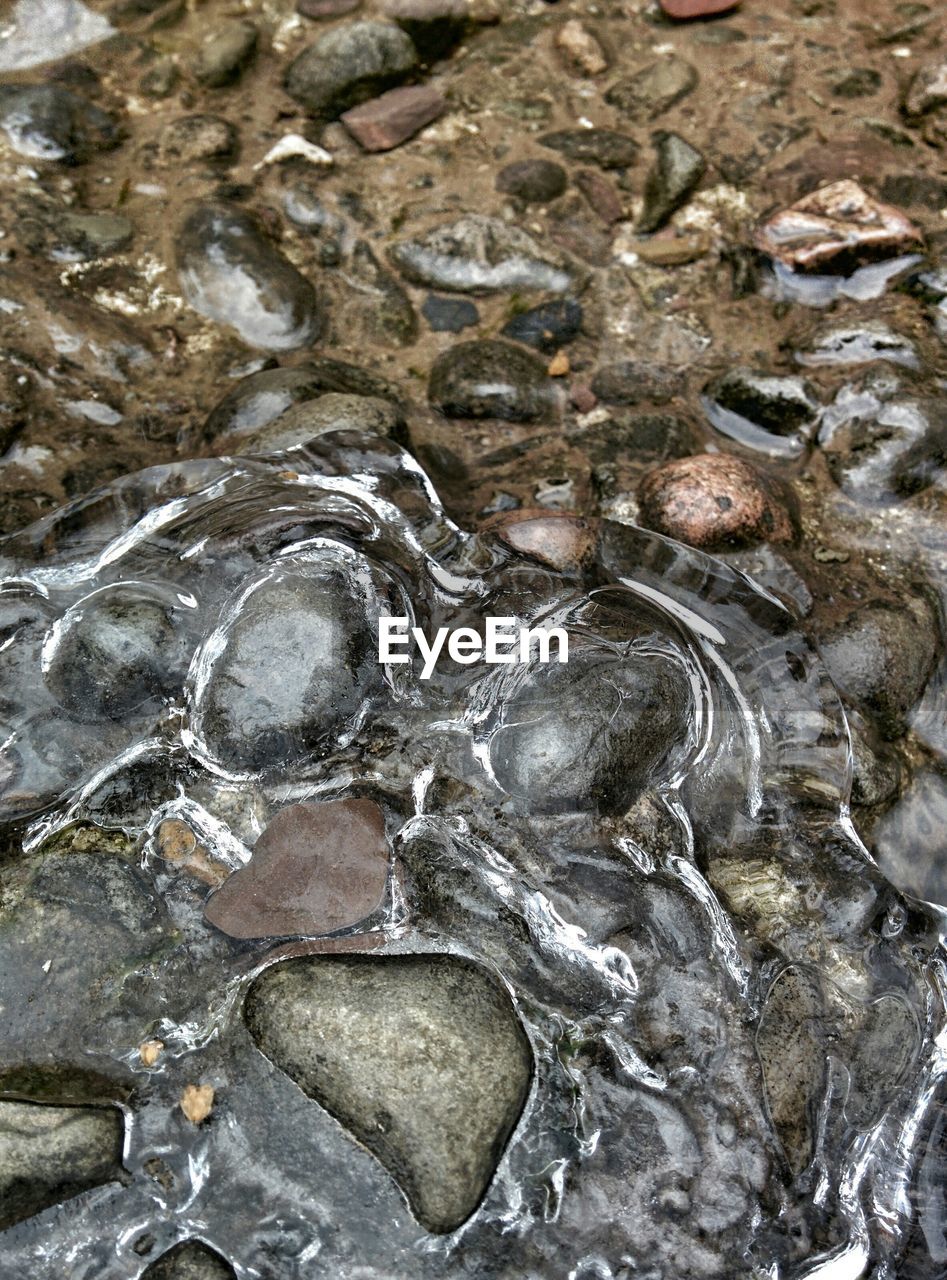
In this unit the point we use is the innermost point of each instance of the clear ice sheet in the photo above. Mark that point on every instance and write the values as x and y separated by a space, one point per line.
737 1023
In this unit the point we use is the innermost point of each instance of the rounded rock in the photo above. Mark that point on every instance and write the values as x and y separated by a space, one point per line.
350 64
490 379
533 181
198 137
713 501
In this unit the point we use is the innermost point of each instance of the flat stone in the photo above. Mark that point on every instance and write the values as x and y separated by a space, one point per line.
684 9
334 411
349 65
225 54
421 1058
49 1154
713 500
533 181
490 379
837 229
481 255
603 147
386 122
677 169
654 89
198 137
631 382
191 1260
326 8
601 195
560 539
316 868
449 315
548 327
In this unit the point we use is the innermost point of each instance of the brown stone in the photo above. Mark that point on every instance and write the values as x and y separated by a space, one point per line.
315 869
557 538
580 50
388 121
683 9
837 229
601 195
582 398
197 1102
326 8
714 501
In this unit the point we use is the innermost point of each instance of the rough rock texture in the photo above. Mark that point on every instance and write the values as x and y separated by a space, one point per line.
349 65
422 1058
190 1261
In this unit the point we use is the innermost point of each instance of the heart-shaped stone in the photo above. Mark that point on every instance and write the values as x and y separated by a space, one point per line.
315 869
422 1058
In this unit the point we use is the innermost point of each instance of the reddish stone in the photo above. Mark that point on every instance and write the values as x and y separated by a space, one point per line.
557 538
315 869
388 121
836 230
696 8
601 195
582 397
714 501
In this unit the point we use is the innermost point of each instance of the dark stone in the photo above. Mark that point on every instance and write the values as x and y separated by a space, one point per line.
275 308
49 1154
881 657
857 82
533 181
631 382
333 411
677 170
776 406
449 315
603 147
316 868
259 399
490 379
294 667
547 327
120 653
422 1058
348 65
46 122
590 735
435 26
923 189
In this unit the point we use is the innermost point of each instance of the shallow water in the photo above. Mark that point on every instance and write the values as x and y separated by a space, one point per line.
737 1024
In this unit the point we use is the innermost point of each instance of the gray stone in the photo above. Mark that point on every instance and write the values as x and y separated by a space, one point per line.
49 1154
533 181
490 379
376 306
677 170
260 398
481 255
422 1058
46 122
334 411
230 273
223 56
198 137
350 64
590 735
449 315
654 89
603 147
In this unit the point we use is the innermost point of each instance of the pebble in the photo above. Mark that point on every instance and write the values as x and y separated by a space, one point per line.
837 229
591 735
581 51
421 1058
50 1154
677 170
386 122
316 868
533 181
326 8
601 195
197 1102
926 90
654 89
260 398
880 657
490 379
150 1051
349 65
71 236
481 255
230 273
602 147
630 382
192 1260
560 539
333 411
46 122
449 315
199 137
435 26
547 327
856 82
684 9
672 251
225 53
713 501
